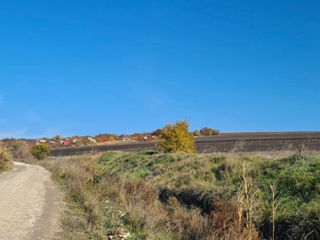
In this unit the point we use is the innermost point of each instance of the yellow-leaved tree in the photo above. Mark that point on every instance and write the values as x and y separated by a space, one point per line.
177 138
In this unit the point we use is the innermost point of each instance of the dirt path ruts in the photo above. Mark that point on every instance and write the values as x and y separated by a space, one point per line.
30 204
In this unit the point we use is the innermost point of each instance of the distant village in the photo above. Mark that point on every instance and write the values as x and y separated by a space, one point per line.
59 141
99 139
73 141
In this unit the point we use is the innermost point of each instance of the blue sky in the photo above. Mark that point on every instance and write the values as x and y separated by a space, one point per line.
85 67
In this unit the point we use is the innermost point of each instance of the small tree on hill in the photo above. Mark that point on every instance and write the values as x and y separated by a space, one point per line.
58 138
177 138
111 138
206 131
156 132
40 151
196 133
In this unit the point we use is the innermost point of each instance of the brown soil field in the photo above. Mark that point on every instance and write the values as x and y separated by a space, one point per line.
224 142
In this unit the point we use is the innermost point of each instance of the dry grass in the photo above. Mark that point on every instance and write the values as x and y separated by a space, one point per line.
5 159
274 206
173 219
90 214
247 199
20 151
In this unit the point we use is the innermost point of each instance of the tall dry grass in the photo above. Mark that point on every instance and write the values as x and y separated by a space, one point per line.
246 199
6 160
86 199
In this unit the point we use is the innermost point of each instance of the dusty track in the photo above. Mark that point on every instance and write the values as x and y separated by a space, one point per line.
30 204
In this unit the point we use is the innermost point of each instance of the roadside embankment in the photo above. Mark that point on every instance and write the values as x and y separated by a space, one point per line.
182 196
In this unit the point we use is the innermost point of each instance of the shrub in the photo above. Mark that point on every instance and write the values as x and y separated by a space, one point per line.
177 138
157 132
111 138
20 151
196 133
40 151
206 131
5 159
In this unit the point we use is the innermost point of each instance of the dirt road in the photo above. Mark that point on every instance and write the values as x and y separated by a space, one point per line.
30 204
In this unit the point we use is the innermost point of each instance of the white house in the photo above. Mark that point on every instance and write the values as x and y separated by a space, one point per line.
125 137
92 139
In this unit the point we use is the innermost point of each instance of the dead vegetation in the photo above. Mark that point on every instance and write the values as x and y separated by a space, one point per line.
91 213
5 159
20 151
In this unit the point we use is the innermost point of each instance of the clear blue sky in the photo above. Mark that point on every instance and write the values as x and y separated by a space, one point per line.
85 67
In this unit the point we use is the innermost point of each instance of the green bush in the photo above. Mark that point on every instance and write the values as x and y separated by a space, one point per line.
177 138
40 151
5 159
